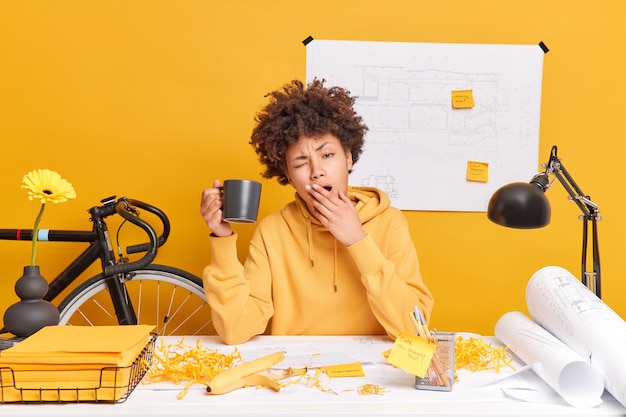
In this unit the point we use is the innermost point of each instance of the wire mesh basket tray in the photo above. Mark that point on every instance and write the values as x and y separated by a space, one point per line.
440 374
111 384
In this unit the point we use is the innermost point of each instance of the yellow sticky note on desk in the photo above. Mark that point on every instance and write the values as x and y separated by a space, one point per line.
477 171
412 353
344 370
462 99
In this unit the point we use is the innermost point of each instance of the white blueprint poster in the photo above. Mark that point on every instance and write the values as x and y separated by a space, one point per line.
419 147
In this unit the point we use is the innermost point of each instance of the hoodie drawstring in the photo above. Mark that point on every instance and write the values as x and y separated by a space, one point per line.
309 235
335 265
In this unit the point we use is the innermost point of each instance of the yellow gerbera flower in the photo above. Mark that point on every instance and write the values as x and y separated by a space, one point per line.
47 186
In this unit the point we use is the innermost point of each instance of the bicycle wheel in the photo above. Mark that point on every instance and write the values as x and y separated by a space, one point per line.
171 299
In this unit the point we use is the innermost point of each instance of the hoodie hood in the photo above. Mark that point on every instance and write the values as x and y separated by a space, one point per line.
370 202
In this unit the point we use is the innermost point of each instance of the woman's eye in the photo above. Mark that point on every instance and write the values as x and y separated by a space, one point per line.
328 155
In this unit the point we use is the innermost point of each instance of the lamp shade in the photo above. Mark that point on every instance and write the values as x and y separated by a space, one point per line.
519 205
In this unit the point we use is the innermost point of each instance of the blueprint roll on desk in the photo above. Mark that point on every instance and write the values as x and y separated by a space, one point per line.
474 394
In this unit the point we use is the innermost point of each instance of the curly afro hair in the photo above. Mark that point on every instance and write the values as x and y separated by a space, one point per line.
294 111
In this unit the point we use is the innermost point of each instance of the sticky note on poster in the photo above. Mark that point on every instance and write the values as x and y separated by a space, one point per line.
462 99
412 353
477 171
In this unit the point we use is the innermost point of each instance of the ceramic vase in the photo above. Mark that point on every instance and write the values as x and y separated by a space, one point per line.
33 312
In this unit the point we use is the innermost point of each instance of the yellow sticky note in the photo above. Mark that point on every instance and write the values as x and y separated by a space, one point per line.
344 370
412 353
477 171
462 99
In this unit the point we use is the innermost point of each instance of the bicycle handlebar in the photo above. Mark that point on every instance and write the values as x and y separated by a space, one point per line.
125 208
164 220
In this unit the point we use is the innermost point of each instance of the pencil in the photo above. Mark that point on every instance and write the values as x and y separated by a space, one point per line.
422 332
436 360
418 327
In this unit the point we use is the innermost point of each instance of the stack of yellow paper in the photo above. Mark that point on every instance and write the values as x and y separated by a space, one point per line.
72 363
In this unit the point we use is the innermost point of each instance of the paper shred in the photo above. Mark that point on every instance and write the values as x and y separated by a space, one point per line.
371 389
179 362
474 354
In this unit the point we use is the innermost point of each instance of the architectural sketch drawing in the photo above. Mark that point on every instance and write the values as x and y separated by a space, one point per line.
418 146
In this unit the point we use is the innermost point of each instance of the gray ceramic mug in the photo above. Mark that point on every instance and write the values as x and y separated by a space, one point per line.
241 201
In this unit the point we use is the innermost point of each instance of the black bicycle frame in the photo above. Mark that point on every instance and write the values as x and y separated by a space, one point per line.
100 248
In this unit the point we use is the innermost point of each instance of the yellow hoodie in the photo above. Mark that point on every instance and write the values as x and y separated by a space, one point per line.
306 282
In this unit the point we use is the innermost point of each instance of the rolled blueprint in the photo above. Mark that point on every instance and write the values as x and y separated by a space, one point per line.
574 379
561 304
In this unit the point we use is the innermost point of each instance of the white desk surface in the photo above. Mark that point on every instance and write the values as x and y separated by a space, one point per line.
400 398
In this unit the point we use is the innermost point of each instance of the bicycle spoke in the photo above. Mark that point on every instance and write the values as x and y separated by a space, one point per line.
166 318
85 317
189 317
169 316
204 326
101 308
104 310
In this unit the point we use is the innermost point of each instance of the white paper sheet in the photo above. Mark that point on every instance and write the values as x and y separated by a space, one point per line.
577 381
566 308
415 135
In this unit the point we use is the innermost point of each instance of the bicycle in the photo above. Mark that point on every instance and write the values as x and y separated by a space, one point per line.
125 292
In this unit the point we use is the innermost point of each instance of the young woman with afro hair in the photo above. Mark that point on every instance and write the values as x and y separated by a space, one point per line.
338 259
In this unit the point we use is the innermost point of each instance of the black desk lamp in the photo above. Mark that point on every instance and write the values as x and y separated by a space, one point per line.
524 206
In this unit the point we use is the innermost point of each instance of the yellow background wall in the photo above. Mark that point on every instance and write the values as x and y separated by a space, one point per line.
153 99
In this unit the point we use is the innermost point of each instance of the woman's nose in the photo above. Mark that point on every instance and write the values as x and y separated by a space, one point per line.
316 172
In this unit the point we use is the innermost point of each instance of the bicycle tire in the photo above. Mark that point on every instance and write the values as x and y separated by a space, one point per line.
171 299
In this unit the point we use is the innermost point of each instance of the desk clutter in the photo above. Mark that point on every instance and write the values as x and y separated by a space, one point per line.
76 364
532 359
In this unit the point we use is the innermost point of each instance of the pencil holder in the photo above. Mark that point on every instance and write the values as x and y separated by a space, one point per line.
440 374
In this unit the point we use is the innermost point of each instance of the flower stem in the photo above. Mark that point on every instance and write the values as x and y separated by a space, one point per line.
35 233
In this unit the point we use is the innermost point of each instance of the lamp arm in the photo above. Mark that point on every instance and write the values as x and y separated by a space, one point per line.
596 259
584 203
590 215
